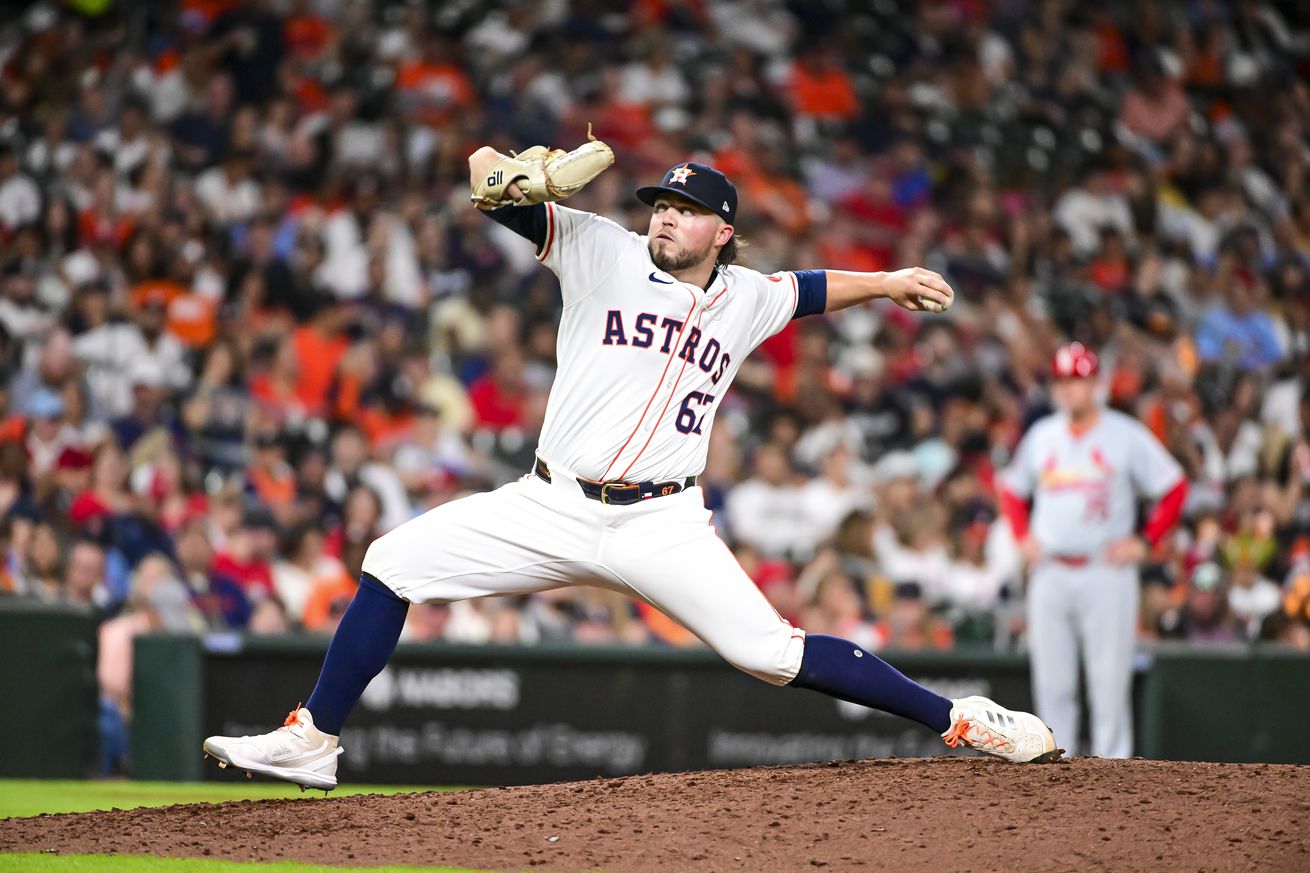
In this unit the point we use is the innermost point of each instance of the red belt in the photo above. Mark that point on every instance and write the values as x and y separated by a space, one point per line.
1071 560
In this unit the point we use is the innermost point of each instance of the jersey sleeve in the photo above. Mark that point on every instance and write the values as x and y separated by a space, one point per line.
776 299
1153 470
581 248
528 222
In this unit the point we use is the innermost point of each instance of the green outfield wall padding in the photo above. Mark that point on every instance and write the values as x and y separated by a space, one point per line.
48 683
168 684
481 715
1226 704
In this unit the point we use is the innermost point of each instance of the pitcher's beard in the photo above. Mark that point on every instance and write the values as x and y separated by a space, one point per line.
680 260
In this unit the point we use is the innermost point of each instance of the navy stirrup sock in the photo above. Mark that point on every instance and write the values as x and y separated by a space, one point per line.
360 648
841 669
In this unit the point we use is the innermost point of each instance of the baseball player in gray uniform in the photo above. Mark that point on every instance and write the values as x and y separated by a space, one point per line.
1084 468
654 328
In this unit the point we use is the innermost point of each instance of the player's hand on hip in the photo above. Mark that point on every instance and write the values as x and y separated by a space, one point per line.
1129 550
1031 550
919 290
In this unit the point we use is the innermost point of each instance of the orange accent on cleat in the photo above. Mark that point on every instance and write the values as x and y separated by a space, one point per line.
291 716
955 735
959 734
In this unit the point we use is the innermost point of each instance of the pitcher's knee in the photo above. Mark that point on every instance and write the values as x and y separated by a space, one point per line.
383 559
776 659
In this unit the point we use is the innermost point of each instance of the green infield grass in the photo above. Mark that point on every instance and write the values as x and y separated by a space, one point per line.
26 797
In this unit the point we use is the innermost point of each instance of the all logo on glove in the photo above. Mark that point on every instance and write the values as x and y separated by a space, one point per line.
543 174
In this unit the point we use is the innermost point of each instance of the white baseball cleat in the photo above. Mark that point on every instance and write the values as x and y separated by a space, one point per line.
296 752
978 723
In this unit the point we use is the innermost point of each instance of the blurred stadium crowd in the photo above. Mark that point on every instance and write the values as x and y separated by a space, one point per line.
249 320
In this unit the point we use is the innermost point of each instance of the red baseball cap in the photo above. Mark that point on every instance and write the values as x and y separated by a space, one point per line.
1074 361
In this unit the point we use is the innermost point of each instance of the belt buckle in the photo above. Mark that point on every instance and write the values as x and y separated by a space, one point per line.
604 491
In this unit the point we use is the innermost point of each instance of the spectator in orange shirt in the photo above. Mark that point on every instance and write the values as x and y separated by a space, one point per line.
776 194
270 476
840 248
435 89
1111 270
305 34
327 603
276 387
624 124
319 347
308 574
820 88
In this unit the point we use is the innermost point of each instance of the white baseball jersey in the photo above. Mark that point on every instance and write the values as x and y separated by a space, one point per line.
1084 486
644 359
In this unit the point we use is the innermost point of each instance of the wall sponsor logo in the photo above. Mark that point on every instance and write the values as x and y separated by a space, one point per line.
441 688
551 745
748 749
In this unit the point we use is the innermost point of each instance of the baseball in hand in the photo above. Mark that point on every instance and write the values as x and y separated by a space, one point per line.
927 304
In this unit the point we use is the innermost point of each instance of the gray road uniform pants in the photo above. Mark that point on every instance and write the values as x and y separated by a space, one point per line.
1084 614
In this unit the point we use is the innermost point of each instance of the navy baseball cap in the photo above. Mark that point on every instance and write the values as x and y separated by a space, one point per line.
699 183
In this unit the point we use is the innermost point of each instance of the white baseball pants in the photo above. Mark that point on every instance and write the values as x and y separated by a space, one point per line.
1086 614
531 535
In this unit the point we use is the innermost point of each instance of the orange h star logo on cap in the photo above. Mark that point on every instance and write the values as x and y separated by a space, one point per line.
680 174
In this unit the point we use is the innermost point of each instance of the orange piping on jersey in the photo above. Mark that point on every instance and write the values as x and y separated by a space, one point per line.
673 351
675 387
550 231
681 370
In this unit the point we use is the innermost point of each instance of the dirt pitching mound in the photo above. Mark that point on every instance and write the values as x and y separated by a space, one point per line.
939 814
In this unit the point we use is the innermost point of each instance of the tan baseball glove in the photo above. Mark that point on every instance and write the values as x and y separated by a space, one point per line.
542 174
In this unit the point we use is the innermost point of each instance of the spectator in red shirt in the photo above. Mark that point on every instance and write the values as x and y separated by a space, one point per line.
1155 107
498 396
248 555
108 494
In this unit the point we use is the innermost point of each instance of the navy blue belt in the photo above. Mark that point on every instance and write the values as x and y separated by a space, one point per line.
621 493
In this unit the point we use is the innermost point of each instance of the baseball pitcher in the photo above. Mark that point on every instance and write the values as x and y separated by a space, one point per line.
654 328
1083 469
